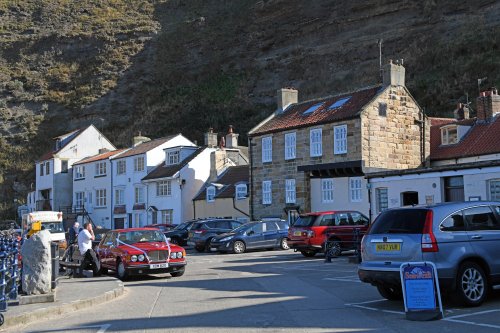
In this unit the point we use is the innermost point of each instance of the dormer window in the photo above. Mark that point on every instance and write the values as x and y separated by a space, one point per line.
173 157
210 194
449 135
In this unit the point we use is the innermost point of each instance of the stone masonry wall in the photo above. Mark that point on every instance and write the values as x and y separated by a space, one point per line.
393 141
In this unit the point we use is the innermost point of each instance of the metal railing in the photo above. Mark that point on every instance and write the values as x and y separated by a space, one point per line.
9 271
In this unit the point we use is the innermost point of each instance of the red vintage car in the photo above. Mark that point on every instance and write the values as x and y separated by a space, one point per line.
140 251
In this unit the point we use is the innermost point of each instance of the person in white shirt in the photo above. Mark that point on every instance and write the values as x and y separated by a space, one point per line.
85 238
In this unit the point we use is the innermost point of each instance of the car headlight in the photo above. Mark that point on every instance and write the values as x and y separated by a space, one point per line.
173 255
133 258
225 239
140 257
179 255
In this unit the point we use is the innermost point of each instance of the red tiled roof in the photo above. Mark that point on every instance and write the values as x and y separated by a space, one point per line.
99 157
293 116
482 138
232 176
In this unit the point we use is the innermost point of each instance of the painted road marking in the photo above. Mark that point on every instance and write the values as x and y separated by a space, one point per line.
350 278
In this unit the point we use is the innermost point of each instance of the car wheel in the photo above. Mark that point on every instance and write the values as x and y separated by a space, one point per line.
199 248
174 240
104 270
178 273
121 272
390 293
284 244
207 244
333 248
238 247
472 285
308 254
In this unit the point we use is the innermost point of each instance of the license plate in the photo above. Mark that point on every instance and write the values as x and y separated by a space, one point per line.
162 265
388 247
297 233
214 249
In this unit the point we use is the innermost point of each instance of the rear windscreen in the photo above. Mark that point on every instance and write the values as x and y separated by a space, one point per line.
305 221
400 221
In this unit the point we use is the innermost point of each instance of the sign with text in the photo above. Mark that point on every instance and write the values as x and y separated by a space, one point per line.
421 291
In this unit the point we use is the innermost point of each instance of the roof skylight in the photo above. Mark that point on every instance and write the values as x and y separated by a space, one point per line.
312 108
339 103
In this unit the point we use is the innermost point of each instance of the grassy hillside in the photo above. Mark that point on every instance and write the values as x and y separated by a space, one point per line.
162 67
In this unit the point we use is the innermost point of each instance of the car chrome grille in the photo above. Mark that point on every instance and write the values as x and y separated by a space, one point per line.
158 255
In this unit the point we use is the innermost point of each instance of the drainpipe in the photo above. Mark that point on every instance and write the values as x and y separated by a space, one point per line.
194 210
252 193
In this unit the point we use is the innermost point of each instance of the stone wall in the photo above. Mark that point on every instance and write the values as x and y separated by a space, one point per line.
393 141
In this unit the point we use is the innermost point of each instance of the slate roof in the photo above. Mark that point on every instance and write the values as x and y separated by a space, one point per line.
482 138
232 176
165 171
146 146
99 157
293 116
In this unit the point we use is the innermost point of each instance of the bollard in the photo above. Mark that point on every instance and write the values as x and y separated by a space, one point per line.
328 256
54 255
358 244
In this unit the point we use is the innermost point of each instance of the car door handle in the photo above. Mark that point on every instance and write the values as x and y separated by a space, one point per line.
477 237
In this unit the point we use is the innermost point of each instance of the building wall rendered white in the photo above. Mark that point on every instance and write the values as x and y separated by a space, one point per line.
222 207
342 196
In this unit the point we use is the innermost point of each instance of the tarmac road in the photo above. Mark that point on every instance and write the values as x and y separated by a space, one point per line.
267 291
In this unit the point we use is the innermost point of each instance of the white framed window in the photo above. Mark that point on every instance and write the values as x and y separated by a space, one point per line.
290 191
164 188
119 196
316 142
326 190
41 169
340 139
100 169
173 157
138 220
167 216
355 190
121 167
241 191
139 195
210 194
267 149
267 192
79 199
100 198
80 172
449 135
47 168
290 146
494 189
139 164
381 199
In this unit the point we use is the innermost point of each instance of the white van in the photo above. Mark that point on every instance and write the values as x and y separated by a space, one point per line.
51 221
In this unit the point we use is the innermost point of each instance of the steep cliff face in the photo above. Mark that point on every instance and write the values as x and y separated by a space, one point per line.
169 66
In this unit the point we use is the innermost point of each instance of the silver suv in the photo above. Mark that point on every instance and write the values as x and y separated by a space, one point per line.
461 238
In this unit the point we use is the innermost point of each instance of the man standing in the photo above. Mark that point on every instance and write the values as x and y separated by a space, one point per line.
73 233
85 238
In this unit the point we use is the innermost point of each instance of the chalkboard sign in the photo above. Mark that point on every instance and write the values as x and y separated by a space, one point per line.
421 291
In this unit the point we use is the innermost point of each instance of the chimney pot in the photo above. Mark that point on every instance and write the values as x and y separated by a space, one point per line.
286 97
211 138
393 74
232 138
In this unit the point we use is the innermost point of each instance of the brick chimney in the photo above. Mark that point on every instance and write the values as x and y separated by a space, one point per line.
211 138
488 104
231 138
394 74
461 112
286 96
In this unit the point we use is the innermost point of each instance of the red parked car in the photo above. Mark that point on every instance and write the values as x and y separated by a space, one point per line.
140 251
311 231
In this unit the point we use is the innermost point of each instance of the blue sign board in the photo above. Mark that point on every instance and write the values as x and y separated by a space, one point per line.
421 291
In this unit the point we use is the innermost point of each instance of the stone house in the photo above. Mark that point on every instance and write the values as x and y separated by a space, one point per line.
54 170
313 155
464 162
227 196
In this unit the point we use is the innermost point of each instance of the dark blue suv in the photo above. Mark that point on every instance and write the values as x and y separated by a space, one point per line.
253 235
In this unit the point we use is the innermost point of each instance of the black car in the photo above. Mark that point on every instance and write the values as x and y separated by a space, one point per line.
180 233
253 235
203 231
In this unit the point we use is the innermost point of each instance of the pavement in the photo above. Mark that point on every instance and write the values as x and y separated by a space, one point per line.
71 294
